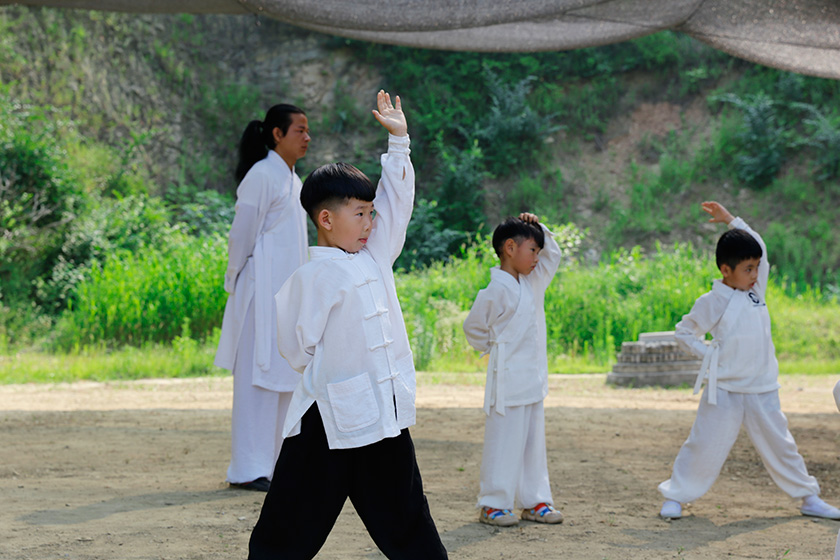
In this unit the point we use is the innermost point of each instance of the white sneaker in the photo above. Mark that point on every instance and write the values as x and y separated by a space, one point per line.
670 510
815 507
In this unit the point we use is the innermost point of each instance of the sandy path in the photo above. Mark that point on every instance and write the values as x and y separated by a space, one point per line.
135 470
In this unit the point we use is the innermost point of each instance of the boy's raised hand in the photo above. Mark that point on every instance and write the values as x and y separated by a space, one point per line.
390 116
718 213
529 218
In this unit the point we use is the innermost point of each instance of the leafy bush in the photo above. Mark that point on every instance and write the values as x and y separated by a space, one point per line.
153 295
39 196
509 132
805 254
428 238
762 139
460 192
201 212
131 224
824 138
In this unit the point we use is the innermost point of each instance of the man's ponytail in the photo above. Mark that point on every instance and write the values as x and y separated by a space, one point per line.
258 137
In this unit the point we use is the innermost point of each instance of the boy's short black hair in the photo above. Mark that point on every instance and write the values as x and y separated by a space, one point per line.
332 184
519 231
736 246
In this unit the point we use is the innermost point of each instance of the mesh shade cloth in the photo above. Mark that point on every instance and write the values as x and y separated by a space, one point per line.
798 35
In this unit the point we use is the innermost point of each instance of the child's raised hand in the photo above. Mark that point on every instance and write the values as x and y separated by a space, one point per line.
390 116
718 213
529 218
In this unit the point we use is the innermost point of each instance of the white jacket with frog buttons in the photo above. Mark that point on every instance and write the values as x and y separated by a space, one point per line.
340 325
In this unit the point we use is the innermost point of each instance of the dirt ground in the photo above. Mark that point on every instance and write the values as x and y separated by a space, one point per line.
135 470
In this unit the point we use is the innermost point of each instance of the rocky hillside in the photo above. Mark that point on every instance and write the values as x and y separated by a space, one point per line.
623 140
180 88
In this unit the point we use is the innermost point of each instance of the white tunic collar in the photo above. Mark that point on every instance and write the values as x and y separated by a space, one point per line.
505 278
722 289
275 159
316 252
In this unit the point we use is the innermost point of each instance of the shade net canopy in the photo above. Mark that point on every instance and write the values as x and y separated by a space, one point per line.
797 35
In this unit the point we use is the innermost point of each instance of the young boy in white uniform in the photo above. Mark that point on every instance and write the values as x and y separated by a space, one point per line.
742 379
340 326
507 320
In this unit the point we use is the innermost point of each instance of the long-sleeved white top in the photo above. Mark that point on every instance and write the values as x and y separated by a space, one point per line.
507 320
741 357
340 325
837 395
267 242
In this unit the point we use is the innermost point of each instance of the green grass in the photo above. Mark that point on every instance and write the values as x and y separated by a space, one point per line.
181 358
590 311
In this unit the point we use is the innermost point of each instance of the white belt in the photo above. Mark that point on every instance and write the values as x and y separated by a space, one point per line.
263 300
710 364
494 379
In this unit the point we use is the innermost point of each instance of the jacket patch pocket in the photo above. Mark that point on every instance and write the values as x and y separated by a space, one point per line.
353 403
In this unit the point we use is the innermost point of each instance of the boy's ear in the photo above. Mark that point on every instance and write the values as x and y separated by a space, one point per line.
725 270
324 220
509 247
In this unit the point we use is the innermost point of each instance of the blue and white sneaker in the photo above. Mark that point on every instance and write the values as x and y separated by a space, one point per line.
543 513
498 517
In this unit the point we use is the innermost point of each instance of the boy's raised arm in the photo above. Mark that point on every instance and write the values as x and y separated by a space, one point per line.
394 200
550 255
721 215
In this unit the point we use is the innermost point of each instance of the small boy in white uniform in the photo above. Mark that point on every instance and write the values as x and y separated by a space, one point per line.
339 324
507 320
742 379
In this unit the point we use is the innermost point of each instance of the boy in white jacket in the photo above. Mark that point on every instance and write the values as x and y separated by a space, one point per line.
339 324
741 371
507 320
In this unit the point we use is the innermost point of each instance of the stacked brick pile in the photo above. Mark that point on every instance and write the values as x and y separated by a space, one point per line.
655 359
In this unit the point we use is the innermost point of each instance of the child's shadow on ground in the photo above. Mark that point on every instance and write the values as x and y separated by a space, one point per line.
100 510
692 532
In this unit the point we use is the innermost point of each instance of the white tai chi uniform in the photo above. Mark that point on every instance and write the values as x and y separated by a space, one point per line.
267 243
507 320
837 401
742 389
347 337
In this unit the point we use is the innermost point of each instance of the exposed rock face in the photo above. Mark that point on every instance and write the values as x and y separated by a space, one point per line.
656 359
177 91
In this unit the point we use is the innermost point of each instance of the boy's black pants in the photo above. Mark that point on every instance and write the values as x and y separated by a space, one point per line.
311 483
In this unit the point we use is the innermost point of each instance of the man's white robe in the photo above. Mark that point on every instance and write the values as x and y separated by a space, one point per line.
267 243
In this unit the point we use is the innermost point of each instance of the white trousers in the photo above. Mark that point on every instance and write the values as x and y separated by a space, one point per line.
837 548
257 418
514 466
714 433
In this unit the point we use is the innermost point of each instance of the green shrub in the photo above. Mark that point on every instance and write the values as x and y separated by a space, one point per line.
824 138
460 192
762 140
428 238
152 295
110 225
39 196
509 131
201 212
